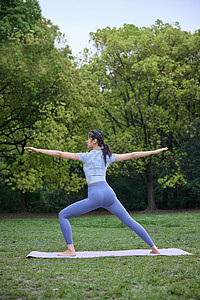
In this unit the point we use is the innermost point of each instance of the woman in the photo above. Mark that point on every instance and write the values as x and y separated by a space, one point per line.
100 193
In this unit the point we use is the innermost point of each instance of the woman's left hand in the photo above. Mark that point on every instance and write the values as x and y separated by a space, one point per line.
31 149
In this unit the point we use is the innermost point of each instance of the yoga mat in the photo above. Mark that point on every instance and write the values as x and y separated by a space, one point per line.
91 254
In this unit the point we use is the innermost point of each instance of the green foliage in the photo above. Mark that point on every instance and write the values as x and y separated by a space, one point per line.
28 76
173 180
149 78
190 163
45 103
9 199
18 16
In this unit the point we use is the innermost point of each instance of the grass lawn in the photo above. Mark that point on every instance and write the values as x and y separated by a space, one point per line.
142 278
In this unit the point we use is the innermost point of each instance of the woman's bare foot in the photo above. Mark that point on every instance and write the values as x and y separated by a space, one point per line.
154 250
69 252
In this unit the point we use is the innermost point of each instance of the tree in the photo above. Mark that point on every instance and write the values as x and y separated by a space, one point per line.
190 163
18 15
43 102
149 78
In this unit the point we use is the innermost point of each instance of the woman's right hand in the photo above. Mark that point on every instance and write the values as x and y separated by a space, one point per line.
31 149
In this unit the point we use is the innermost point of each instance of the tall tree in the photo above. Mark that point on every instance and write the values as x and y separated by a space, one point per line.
149 78
44 102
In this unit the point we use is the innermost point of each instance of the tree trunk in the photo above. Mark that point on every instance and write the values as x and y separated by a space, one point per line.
23 202
151 204
165 199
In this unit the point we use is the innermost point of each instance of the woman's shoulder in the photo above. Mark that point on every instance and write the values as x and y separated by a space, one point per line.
111 158
82 156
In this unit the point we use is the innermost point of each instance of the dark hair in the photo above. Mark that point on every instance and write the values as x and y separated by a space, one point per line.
98 134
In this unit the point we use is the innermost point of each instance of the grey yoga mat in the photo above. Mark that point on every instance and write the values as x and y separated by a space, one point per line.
92 254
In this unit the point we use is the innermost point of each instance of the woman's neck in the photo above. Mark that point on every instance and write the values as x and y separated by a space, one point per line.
96 148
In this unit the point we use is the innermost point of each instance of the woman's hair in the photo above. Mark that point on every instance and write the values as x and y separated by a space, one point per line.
97 134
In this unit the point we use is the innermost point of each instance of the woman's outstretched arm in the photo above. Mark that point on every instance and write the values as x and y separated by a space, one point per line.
126 156
66 155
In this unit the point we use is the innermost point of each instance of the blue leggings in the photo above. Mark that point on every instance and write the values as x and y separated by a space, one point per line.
100 194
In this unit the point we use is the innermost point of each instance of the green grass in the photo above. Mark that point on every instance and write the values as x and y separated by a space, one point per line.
101 278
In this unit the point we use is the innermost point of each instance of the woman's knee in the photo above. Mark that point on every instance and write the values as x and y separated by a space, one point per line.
64 214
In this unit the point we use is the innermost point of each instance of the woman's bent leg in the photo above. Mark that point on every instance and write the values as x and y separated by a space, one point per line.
73 210
119 211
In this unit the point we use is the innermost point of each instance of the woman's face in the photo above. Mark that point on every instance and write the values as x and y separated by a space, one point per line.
89 142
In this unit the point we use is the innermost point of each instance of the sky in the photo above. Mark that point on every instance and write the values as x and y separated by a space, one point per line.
77 18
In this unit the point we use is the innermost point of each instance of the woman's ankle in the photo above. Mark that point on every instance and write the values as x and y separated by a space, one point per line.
70 247
154 250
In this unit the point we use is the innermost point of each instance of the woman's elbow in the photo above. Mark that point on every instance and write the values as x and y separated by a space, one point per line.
134 155
59 154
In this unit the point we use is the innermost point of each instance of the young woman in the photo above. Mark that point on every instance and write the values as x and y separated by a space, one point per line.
100 194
